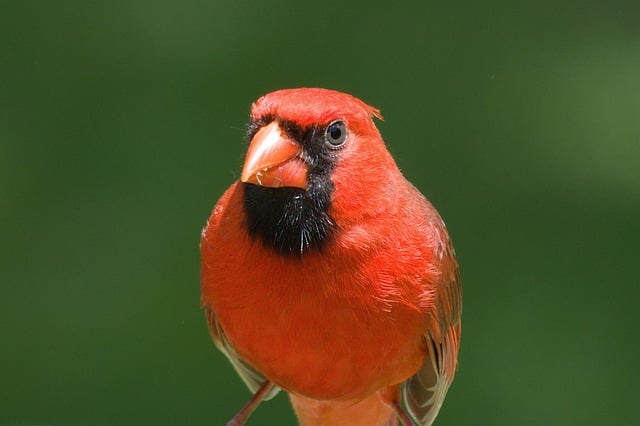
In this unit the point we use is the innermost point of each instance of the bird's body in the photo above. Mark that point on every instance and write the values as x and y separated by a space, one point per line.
340 289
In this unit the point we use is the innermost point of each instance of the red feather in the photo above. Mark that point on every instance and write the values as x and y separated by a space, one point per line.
346 327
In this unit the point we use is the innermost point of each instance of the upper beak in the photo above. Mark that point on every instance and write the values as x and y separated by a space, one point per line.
273 160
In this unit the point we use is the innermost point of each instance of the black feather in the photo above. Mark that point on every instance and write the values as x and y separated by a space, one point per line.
293 221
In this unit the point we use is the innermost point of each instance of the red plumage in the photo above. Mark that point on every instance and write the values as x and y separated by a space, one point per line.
371 311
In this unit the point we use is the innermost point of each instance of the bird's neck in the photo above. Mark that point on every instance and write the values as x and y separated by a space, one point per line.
289 221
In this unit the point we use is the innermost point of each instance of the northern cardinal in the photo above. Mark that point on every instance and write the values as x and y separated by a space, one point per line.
327 274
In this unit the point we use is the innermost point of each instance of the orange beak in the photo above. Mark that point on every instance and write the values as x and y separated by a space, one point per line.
273 160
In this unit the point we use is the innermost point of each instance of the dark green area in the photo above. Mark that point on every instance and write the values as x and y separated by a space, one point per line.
122 122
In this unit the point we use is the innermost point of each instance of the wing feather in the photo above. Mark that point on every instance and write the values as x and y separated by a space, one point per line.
249 375
425 391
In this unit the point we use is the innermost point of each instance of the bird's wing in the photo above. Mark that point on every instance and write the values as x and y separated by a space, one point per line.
249 375
424 392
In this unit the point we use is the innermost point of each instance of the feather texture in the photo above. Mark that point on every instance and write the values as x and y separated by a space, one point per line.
249 375
365 318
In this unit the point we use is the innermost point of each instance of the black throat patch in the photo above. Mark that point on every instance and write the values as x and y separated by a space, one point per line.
293 221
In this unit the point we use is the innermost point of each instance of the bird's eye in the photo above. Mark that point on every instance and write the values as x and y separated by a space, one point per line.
336 134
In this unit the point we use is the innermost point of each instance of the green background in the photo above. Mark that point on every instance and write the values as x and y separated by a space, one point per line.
122 122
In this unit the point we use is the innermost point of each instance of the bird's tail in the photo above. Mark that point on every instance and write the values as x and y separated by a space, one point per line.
371 411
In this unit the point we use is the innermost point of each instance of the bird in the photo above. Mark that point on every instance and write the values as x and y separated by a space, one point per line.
325 273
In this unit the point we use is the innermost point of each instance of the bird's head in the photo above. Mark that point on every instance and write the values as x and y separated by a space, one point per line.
316 161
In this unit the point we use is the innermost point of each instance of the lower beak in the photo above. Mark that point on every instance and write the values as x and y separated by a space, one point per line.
274 160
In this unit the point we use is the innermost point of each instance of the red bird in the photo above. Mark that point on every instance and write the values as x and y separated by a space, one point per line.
327 274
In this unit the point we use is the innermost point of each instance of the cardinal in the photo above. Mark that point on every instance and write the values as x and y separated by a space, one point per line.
326 274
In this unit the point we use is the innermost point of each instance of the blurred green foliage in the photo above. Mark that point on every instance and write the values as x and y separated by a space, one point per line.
122 122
